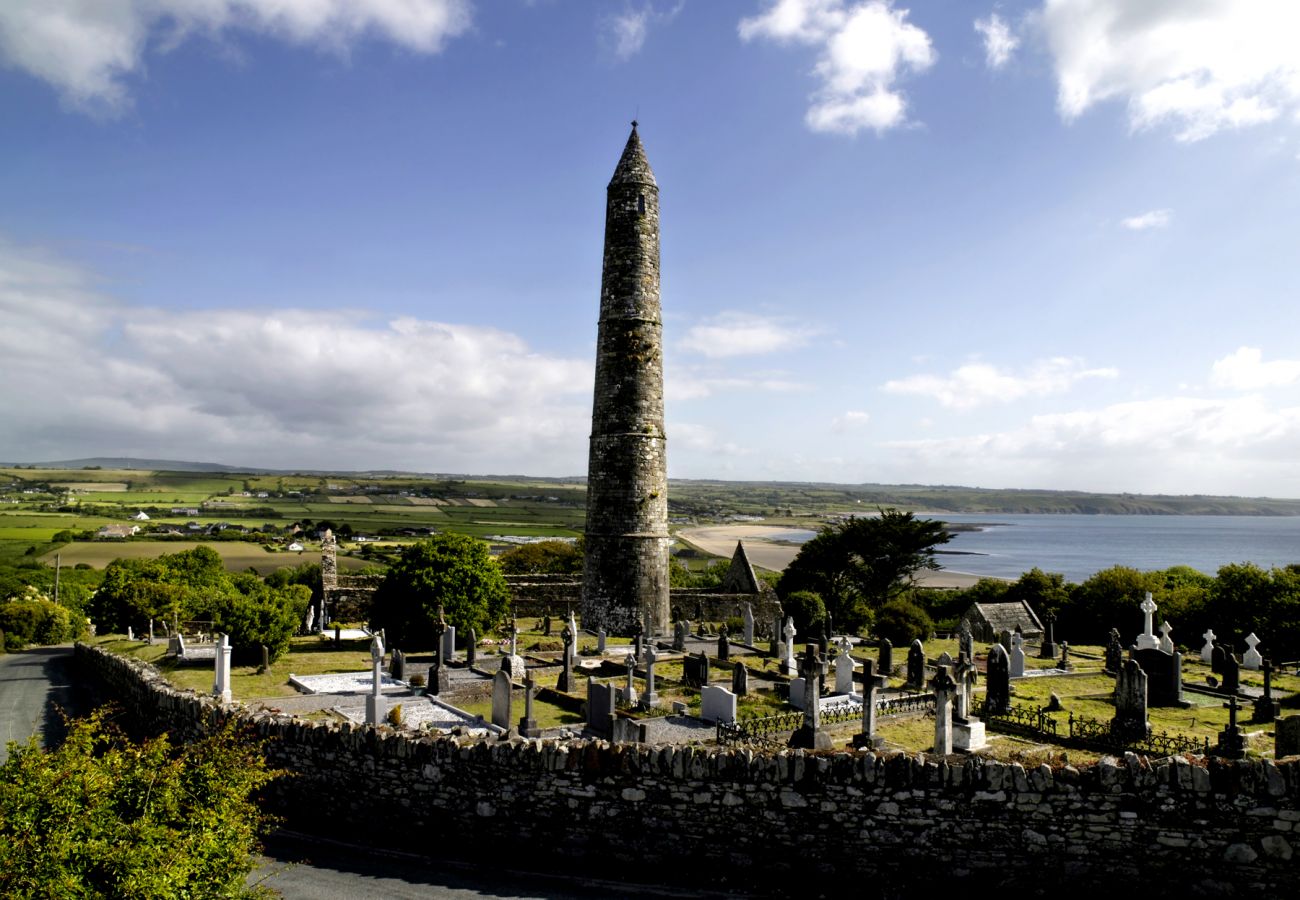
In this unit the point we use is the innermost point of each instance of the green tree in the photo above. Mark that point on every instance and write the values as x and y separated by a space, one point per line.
858 565
902 621
102 817
1109 599
807 610
542 558
453 571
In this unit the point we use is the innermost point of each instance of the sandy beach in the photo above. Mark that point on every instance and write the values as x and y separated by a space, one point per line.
765 553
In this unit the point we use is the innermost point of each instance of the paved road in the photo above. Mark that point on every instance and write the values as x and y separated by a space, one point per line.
34 685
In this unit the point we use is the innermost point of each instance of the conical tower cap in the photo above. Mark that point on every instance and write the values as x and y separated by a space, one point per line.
633 167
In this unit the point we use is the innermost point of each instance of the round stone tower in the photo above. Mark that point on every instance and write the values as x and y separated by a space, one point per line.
625 575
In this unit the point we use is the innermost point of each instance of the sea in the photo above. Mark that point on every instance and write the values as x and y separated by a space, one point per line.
1079 546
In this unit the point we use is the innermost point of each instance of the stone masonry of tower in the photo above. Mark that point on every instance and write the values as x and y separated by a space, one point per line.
625 574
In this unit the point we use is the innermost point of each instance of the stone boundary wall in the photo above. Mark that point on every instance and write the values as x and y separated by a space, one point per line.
885 824
539 595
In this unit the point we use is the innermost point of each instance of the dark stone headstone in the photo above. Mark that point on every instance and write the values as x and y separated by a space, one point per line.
1286 737
546 625
528 724
1130 719
997 696
1164 676
1217 655
1265 708
600 708
1114 653
397 667
870 683
439 680
1229 669
886 657
1232 740
565 682
266 657
724 645
471 648
916 666
695 670
1048 648
740 680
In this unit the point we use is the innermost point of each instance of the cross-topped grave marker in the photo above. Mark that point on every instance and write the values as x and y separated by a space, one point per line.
1147 640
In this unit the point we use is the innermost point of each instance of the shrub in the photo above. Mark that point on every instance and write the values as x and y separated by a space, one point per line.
902 621
807 610
101 816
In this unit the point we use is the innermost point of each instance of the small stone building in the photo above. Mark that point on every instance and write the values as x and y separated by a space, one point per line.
988 620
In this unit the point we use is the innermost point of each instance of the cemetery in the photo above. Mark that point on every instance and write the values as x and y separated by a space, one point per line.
1073 757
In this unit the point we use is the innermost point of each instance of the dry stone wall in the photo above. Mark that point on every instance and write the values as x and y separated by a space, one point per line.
886 824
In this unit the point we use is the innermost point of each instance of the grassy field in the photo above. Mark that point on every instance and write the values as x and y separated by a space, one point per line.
237 555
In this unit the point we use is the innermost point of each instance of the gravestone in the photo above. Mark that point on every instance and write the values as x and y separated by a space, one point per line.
1166 639
375 710
528 724
546 625
565 683
1217 656
695 670
649 700
1207 651
1147 640
573 648
724 644
944 689
740 680
1164 676
717 704
797 692
449 644
967 731
514 663
1286 737
1232 740
471 649
629 696
221 679
788 665
686 629
502 713
397 665
130 633
601 637
151 632
600 708
844 669
1064 664
997 695
1265 708
916 665
1130 719
748 618
1017 656
810 735
1114 652
638 638
1230 671
1004 638
870 684
309 619
1047 650
776 636
439 680
1252 659
966 640
679 636
886 658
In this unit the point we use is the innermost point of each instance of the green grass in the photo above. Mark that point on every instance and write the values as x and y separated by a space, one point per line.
238 556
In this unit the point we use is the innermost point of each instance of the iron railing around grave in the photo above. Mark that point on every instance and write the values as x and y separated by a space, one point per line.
1084 732
764 729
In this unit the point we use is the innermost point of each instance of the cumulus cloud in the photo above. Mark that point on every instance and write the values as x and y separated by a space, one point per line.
1198 68
851 420
87 49
864 49
1246 370
1172 444
1156 218
745 334
625 32
978 384
85 374
693 383
999 41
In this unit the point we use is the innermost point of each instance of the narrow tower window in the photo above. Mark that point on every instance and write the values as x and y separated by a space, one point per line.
640 203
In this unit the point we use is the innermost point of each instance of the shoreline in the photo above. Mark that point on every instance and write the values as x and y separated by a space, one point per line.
765 553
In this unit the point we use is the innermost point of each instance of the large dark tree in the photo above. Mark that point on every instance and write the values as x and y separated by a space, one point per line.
858 565
453 571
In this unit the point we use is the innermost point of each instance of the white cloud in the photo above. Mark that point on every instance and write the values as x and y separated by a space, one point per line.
864 49
851 420
87 375
999 42
1174 445
692 383
1246 370
1199 67
1155 218
703 440
87 49
625 32
745 334
977 384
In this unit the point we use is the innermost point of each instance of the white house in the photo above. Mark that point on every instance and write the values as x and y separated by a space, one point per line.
141 516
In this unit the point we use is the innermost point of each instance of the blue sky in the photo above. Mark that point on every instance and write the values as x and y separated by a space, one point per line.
1049 243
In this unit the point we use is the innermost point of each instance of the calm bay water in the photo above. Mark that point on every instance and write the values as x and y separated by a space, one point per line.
1079 545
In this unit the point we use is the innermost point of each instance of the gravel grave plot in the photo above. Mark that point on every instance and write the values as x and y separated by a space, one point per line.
421 712
344 683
